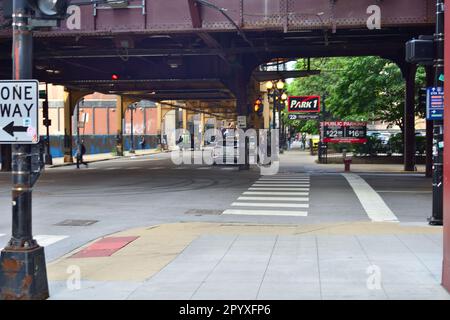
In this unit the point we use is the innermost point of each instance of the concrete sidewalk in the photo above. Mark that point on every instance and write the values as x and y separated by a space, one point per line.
361 260
298 161
58 162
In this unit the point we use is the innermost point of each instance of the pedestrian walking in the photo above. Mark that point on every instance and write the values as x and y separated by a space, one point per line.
81 151
142 142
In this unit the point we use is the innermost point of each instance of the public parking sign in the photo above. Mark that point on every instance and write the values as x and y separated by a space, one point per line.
19 101
304 104
435 103
344 132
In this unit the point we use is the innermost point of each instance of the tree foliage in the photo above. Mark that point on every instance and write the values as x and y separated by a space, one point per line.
357 89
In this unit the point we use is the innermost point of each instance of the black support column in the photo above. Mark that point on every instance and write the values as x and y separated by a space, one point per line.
239 86
409 160
429 129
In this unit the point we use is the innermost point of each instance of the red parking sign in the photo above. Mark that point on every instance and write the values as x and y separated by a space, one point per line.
302 104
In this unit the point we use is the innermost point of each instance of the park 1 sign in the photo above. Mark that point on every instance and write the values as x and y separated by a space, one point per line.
343 132
304 104
435 103
19 101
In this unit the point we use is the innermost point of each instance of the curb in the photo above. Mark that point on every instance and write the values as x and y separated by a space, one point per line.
105 159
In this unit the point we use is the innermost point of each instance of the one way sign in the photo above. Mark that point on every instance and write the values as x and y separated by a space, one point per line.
19 101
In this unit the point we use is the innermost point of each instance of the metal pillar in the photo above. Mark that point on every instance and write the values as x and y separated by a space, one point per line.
438 128
6 157
242 81
68 110
429 129
47 123
409 131
23 272
132 107
446 198
119 123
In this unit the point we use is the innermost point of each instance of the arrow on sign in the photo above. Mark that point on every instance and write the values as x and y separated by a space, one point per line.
11 128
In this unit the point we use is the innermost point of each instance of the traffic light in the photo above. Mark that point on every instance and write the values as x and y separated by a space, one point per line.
43 9
114 77
49 9
258 107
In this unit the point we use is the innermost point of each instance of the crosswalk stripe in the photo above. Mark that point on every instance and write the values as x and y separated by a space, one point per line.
373 204
294 199
257 188
284 179
273 193
280 185
270 204
266 212
45 240
300 184
281 182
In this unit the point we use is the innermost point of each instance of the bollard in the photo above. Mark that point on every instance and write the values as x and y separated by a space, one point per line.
347 163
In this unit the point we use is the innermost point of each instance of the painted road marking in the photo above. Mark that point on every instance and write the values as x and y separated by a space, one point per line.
280 185
266 212
133 168
256 188
295 199
45 240
2 234
273 193
111 168
285 179
373 204
282 182
155 168
203 168
270 204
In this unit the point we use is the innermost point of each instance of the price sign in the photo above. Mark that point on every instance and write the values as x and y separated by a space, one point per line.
344 132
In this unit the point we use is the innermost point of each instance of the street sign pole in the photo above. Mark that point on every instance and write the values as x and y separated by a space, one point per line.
48 155
438 127
22 270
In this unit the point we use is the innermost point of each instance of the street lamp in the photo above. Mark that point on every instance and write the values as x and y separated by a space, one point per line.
275 89
284 98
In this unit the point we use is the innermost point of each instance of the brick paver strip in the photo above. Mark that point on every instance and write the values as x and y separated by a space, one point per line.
104 247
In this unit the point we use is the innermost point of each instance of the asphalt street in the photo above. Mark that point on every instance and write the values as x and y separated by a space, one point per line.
74 206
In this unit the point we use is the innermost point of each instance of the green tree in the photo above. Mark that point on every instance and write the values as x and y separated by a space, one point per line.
358 88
